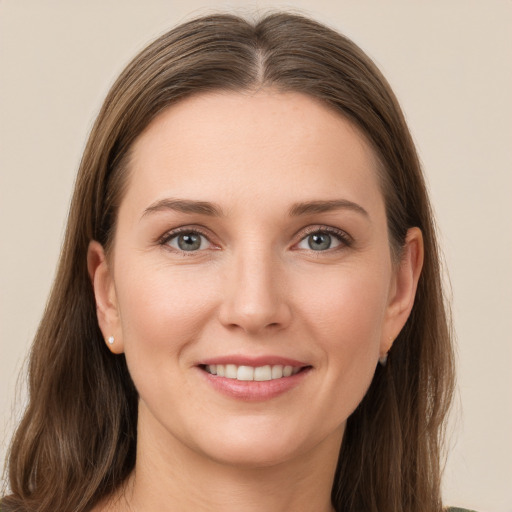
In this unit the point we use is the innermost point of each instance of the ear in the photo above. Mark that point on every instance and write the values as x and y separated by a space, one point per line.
105 295
403 288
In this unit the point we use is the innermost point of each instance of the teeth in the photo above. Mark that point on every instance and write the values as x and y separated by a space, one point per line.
247 373
231 371
263 373
277 372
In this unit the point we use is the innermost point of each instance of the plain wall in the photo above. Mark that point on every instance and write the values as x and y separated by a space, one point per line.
450 64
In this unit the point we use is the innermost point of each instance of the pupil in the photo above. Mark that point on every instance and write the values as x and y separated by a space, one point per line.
319 241
189 242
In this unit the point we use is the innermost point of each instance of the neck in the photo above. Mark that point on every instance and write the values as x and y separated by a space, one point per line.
175 477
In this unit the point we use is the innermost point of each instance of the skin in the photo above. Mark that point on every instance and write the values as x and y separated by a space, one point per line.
254 287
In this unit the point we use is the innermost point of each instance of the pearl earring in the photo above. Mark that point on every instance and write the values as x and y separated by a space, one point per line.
111 340
384 358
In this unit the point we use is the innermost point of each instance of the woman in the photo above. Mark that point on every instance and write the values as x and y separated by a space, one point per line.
248 311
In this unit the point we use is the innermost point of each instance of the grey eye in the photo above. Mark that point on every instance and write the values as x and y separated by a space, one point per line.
188 241
319 241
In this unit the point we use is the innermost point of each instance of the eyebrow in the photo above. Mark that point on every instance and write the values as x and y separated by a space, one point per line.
185 206
312 207
213 210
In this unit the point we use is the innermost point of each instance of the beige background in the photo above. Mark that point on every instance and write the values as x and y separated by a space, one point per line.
450 63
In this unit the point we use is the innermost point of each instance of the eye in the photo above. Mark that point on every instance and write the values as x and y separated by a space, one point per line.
188 241
323 240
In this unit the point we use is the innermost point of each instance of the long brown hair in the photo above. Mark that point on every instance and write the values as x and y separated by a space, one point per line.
76 442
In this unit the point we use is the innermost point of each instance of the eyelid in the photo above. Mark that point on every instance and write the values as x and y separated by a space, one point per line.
345 239
173 233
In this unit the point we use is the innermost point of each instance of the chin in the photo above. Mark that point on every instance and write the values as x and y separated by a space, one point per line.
263 447
254 454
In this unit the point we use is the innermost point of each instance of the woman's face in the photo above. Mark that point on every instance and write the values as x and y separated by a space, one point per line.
251 243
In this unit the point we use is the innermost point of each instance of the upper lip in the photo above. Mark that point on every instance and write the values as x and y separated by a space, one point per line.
240 360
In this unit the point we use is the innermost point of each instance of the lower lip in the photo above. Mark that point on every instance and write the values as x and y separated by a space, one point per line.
254 390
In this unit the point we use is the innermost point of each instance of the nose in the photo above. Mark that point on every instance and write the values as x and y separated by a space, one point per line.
255 295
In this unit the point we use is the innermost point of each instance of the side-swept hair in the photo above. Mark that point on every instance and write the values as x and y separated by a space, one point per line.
76 443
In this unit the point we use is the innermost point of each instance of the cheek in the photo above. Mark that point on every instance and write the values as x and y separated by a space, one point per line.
161 308
346 302
163 311
345 313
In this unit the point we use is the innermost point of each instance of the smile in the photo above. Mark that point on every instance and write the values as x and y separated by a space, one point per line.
251 373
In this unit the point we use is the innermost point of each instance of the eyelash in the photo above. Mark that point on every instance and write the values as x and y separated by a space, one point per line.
344 238
167 237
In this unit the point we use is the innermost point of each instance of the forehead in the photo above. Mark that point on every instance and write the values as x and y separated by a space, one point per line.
251 145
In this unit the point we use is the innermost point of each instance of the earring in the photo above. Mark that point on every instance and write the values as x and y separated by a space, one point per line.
111 340
383 359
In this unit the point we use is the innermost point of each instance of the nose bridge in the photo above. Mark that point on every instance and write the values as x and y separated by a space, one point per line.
254 298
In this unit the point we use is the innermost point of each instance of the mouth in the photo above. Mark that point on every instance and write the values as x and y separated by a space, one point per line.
253 373
249 378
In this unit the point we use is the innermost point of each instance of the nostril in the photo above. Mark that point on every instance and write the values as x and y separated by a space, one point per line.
254 313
